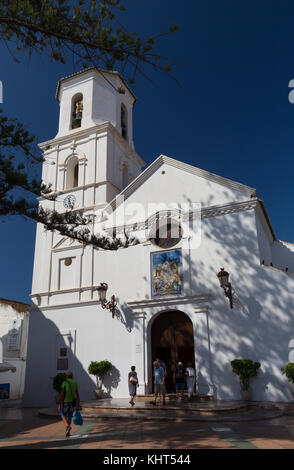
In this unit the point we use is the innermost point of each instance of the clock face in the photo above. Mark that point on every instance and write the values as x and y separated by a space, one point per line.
69 201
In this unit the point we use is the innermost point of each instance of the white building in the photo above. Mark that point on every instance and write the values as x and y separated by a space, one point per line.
169 300
14 320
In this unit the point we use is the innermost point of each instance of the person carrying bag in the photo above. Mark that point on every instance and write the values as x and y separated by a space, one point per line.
133 384
68 400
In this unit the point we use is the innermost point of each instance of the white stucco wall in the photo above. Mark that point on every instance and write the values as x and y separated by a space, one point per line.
17 357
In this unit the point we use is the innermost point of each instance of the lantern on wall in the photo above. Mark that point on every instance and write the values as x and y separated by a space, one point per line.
109 305
223 277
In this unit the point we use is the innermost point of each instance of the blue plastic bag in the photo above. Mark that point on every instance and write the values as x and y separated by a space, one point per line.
78 419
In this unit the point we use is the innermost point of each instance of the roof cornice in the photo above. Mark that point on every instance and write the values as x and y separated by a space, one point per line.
89 133
98 70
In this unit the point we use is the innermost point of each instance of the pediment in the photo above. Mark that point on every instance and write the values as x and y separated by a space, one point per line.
167 179
66 243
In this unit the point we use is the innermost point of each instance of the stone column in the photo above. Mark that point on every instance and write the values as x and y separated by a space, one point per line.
203 359
139 350
61 177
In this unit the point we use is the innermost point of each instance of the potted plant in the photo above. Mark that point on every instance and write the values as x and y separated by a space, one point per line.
246 370
57 382
99 370
288 370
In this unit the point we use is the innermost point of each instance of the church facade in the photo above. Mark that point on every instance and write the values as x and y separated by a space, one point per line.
189 224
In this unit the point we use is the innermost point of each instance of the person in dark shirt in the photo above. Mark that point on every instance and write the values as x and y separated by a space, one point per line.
180 379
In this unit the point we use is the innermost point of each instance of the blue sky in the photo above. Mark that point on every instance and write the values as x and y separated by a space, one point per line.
234 60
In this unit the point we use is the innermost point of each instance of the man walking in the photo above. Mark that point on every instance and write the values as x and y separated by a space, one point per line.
68 400
159 382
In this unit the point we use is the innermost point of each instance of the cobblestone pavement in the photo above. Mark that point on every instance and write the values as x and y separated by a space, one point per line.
24 429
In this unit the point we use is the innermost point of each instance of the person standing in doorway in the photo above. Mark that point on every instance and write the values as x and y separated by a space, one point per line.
159 382
133 384
68 400
179 379
161 363
190 379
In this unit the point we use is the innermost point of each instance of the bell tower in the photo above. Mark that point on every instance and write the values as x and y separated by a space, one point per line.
88 163
92 158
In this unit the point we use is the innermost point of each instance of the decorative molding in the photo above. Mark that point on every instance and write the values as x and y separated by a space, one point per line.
139 305
229 208
203 309
206 212
79 188
93 132
35 307
139 315
67 248
65 291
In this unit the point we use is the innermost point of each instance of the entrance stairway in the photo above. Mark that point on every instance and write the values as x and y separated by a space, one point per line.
197 410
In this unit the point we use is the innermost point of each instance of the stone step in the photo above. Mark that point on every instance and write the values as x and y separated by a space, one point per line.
176 397
197 411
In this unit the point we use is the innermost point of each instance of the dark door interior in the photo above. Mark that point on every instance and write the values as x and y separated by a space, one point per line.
172 341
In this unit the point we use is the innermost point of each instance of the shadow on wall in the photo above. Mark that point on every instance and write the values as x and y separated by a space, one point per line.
125 316
261 324
111 381
45 354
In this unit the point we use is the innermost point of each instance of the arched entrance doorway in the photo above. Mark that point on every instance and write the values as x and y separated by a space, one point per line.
172 340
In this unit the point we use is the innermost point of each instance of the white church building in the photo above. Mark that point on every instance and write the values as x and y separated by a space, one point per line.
189 224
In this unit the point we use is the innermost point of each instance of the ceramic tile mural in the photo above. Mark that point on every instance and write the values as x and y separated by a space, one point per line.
166 273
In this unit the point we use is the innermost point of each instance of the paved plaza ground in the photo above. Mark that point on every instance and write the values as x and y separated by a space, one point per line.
268 429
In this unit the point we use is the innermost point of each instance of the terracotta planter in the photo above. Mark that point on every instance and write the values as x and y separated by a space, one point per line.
99 393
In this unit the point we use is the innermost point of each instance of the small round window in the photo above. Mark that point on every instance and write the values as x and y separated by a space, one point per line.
166 233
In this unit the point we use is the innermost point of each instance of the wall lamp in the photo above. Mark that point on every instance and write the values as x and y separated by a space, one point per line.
111 304
223 277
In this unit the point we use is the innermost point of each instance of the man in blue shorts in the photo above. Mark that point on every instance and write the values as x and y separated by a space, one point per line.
159 382
68 400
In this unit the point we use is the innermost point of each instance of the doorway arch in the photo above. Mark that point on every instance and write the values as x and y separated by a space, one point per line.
172 340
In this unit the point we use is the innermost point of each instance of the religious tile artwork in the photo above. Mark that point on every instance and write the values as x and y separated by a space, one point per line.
166 273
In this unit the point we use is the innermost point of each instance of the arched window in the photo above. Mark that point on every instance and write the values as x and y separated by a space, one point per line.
77 111
72 173
123 122
76 175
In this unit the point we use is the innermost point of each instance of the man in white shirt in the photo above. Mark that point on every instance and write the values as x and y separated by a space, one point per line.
190 379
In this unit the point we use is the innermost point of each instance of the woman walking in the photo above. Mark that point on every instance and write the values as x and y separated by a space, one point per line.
133 384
